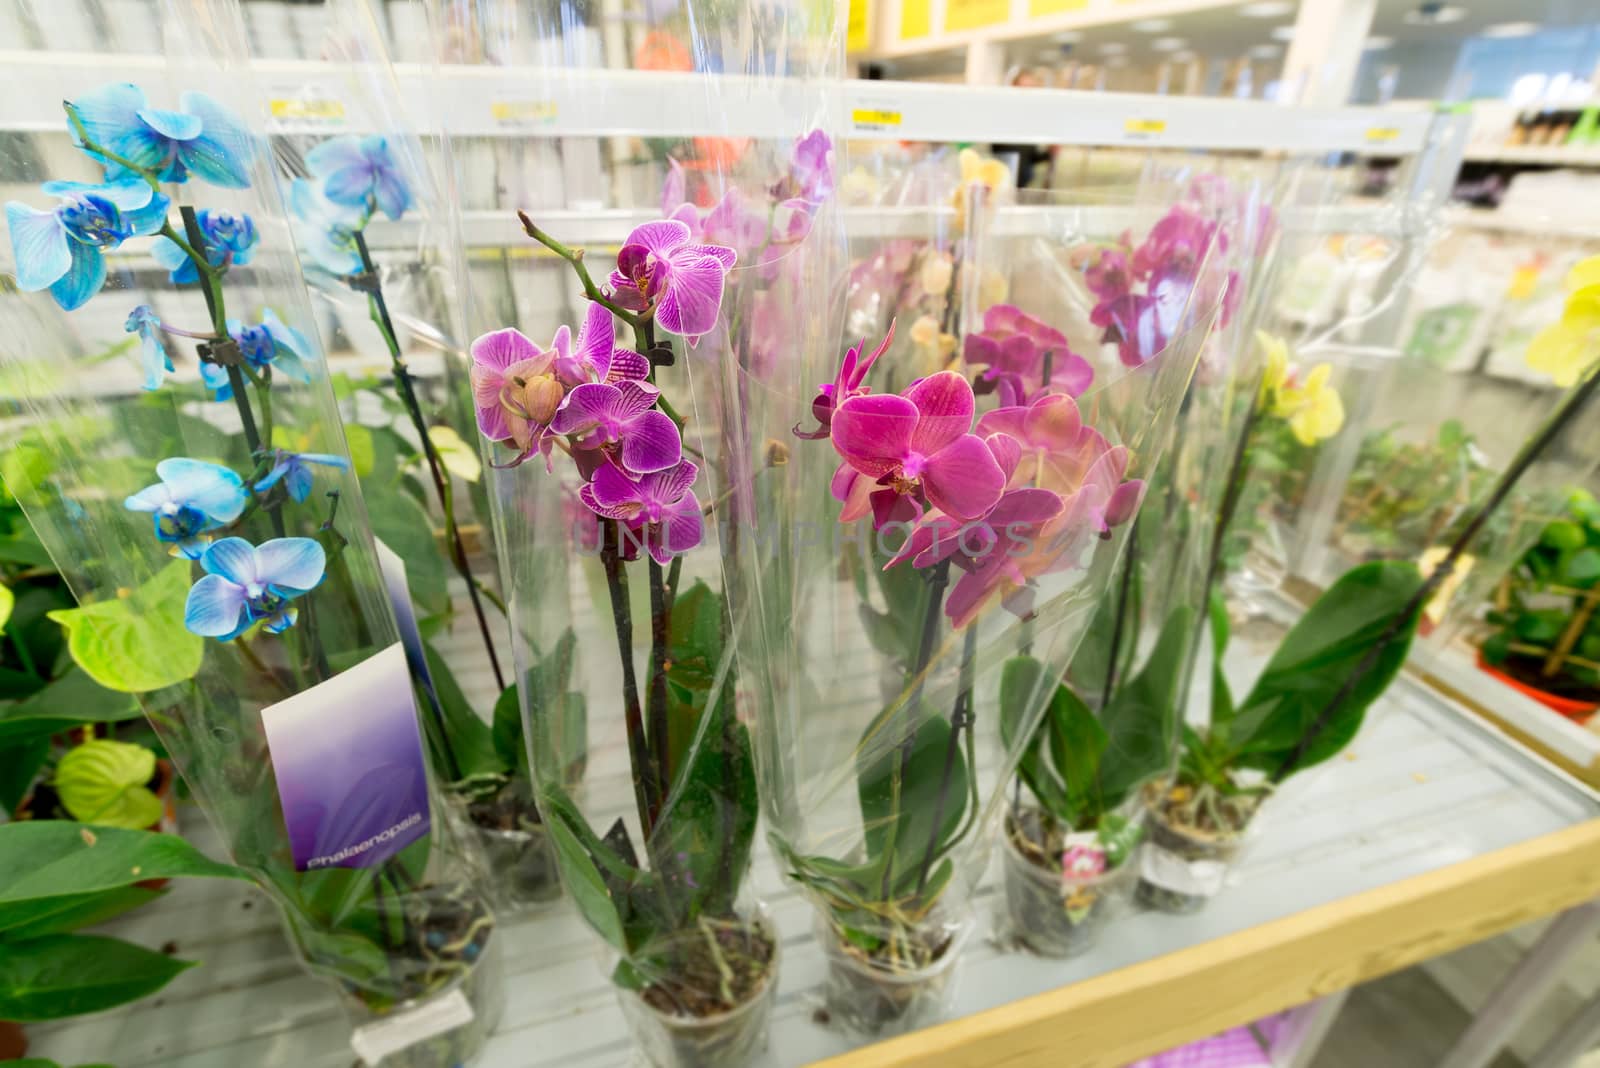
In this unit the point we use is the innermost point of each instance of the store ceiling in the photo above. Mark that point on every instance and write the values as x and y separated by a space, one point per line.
1231 33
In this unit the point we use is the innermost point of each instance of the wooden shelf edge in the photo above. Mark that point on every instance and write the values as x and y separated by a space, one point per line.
1116 1018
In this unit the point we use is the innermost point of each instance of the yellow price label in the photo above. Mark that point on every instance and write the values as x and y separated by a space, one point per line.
1383 133
523 111
319 109
874 118
1144 127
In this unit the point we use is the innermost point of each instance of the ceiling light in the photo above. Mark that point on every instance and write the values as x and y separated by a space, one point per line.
1168 44
1266 51
1152 25
1283 33
1510 29
1067 37
1186 56
1377 44
1111 48
1433 13
1267 9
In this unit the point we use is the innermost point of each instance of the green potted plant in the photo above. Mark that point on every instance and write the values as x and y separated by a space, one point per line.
57 877
1545 640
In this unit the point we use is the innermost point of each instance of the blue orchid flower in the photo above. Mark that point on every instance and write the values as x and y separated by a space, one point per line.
144 321
215 378
294 470
205 139
193 497
361 172
325 231
63 250
247 584
230 239
274 343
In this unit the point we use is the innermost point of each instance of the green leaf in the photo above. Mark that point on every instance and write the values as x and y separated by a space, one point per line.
1222 707
1316 659
582 880
83 910
899 794
1563 536
405 528
471 739
137 643
20 762
63 975
73 700
1022 679
362 457
8 601
1581 568
105 782
1143 718
44 860
507 731
1077 746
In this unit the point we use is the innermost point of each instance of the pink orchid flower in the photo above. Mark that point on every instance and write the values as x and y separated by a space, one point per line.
595 356
622 421
514 389
662 270
919 446
846 384
660 509
1013 345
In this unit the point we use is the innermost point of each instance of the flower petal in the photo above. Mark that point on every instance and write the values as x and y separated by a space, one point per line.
1125 501
693 297
627 364
232 558
291 563
1053 422
634 397
585 407
1071 373
597 339
660 237
214 606
669 486
335 154
499 349
963 478
39 241
682 528
109 113
84 278
944 404
224 151
148 499
215 490
391 193
873 432
173 125
651 443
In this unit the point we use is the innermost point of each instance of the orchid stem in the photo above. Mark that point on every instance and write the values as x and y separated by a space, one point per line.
1130 561
1569 407
660 619
961 720
379 308
1232 491
638 745
575 258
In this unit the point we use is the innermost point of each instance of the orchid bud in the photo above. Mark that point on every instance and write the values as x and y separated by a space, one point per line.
777 453
541 396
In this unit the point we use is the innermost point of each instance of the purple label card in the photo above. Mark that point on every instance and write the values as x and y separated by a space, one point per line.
393 570
352 778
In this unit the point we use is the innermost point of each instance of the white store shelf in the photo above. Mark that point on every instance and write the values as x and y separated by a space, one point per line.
530 101
1423 786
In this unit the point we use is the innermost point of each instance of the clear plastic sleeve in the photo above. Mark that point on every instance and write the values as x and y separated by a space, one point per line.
173 436
674 178
917 575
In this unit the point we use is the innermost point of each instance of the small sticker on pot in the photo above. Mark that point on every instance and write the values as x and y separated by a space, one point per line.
1199 878
348 757
377 1040
1083 859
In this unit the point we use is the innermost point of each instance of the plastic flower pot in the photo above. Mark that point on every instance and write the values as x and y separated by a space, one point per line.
1181 866
1052 914
670 1035
477 979
872 996
1571 708
521 862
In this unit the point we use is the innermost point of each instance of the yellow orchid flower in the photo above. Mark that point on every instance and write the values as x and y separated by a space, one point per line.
933 346
977 170
937 270
1317 412
1566 348
1276 372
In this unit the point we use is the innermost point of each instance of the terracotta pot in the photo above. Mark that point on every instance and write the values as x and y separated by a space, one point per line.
13 1043
1577 711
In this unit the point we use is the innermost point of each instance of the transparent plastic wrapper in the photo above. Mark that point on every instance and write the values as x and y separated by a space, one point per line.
371 228
172 434
607 406
1071 834
915 578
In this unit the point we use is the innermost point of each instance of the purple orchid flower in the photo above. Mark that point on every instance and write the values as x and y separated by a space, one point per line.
1177 242
293 469
1012 347
919 446
515 390
622 420
846 384
595 356
810 176
661 269
661 507
1054 447
248 584
990 554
